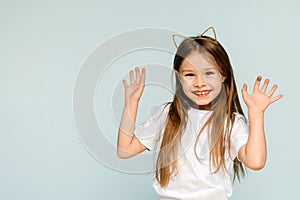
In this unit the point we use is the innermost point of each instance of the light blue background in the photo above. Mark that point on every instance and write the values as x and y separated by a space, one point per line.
44 43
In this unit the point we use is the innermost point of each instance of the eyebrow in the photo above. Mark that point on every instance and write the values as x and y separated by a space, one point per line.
206 69
187 70
210 68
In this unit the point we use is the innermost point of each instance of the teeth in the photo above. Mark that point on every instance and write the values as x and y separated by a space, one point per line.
201 93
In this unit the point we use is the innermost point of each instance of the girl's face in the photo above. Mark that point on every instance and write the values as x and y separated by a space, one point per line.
200 79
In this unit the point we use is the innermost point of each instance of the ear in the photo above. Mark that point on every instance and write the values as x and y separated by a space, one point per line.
223 79
178 75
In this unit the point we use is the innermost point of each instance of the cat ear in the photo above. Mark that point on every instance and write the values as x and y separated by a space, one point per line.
209 28
178 37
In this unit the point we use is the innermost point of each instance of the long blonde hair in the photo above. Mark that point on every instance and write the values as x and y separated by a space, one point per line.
219 122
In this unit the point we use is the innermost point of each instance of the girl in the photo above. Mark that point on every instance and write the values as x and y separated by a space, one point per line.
203 134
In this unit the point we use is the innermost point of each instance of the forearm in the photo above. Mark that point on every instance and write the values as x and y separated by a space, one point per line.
256 150
127 125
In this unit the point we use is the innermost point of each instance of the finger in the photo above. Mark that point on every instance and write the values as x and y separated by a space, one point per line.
244 91
272 91
256 84
138 76
131 77
265 85
125 83
276 98
143 76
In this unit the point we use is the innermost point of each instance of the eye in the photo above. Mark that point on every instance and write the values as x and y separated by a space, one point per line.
189 74
209 73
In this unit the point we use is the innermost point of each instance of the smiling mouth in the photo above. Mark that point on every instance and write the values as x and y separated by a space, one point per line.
202 93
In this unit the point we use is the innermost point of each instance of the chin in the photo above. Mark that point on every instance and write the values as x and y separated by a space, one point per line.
202 105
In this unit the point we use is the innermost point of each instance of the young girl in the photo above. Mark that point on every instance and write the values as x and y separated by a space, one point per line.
203 134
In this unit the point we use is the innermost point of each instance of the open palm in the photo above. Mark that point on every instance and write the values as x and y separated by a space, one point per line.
134 90
259 100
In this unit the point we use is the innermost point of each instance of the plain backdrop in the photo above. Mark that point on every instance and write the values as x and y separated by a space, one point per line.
43 45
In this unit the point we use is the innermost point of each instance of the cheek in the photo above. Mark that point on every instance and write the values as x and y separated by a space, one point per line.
215 81
185 86
186 82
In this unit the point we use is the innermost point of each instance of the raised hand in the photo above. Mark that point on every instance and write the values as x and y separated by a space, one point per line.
134 90
260 99
128 144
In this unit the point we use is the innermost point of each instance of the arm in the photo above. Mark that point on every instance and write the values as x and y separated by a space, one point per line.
253 154
128 144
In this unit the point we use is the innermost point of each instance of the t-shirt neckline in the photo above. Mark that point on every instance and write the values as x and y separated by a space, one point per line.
198 111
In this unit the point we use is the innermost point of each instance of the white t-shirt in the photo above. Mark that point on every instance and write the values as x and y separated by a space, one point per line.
194 180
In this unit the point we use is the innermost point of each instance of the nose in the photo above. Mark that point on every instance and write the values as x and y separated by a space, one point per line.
200 81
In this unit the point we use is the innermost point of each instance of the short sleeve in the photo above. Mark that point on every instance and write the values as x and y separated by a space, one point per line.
239 134
150 131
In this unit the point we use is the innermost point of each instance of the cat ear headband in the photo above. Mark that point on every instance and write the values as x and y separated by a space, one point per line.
193 38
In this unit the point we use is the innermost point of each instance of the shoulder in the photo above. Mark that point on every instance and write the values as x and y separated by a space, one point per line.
159 112
240 121
239 117
162 109
166 107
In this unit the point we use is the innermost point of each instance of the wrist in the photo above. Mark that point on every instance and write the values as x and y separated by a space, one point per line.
131 103
255 112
